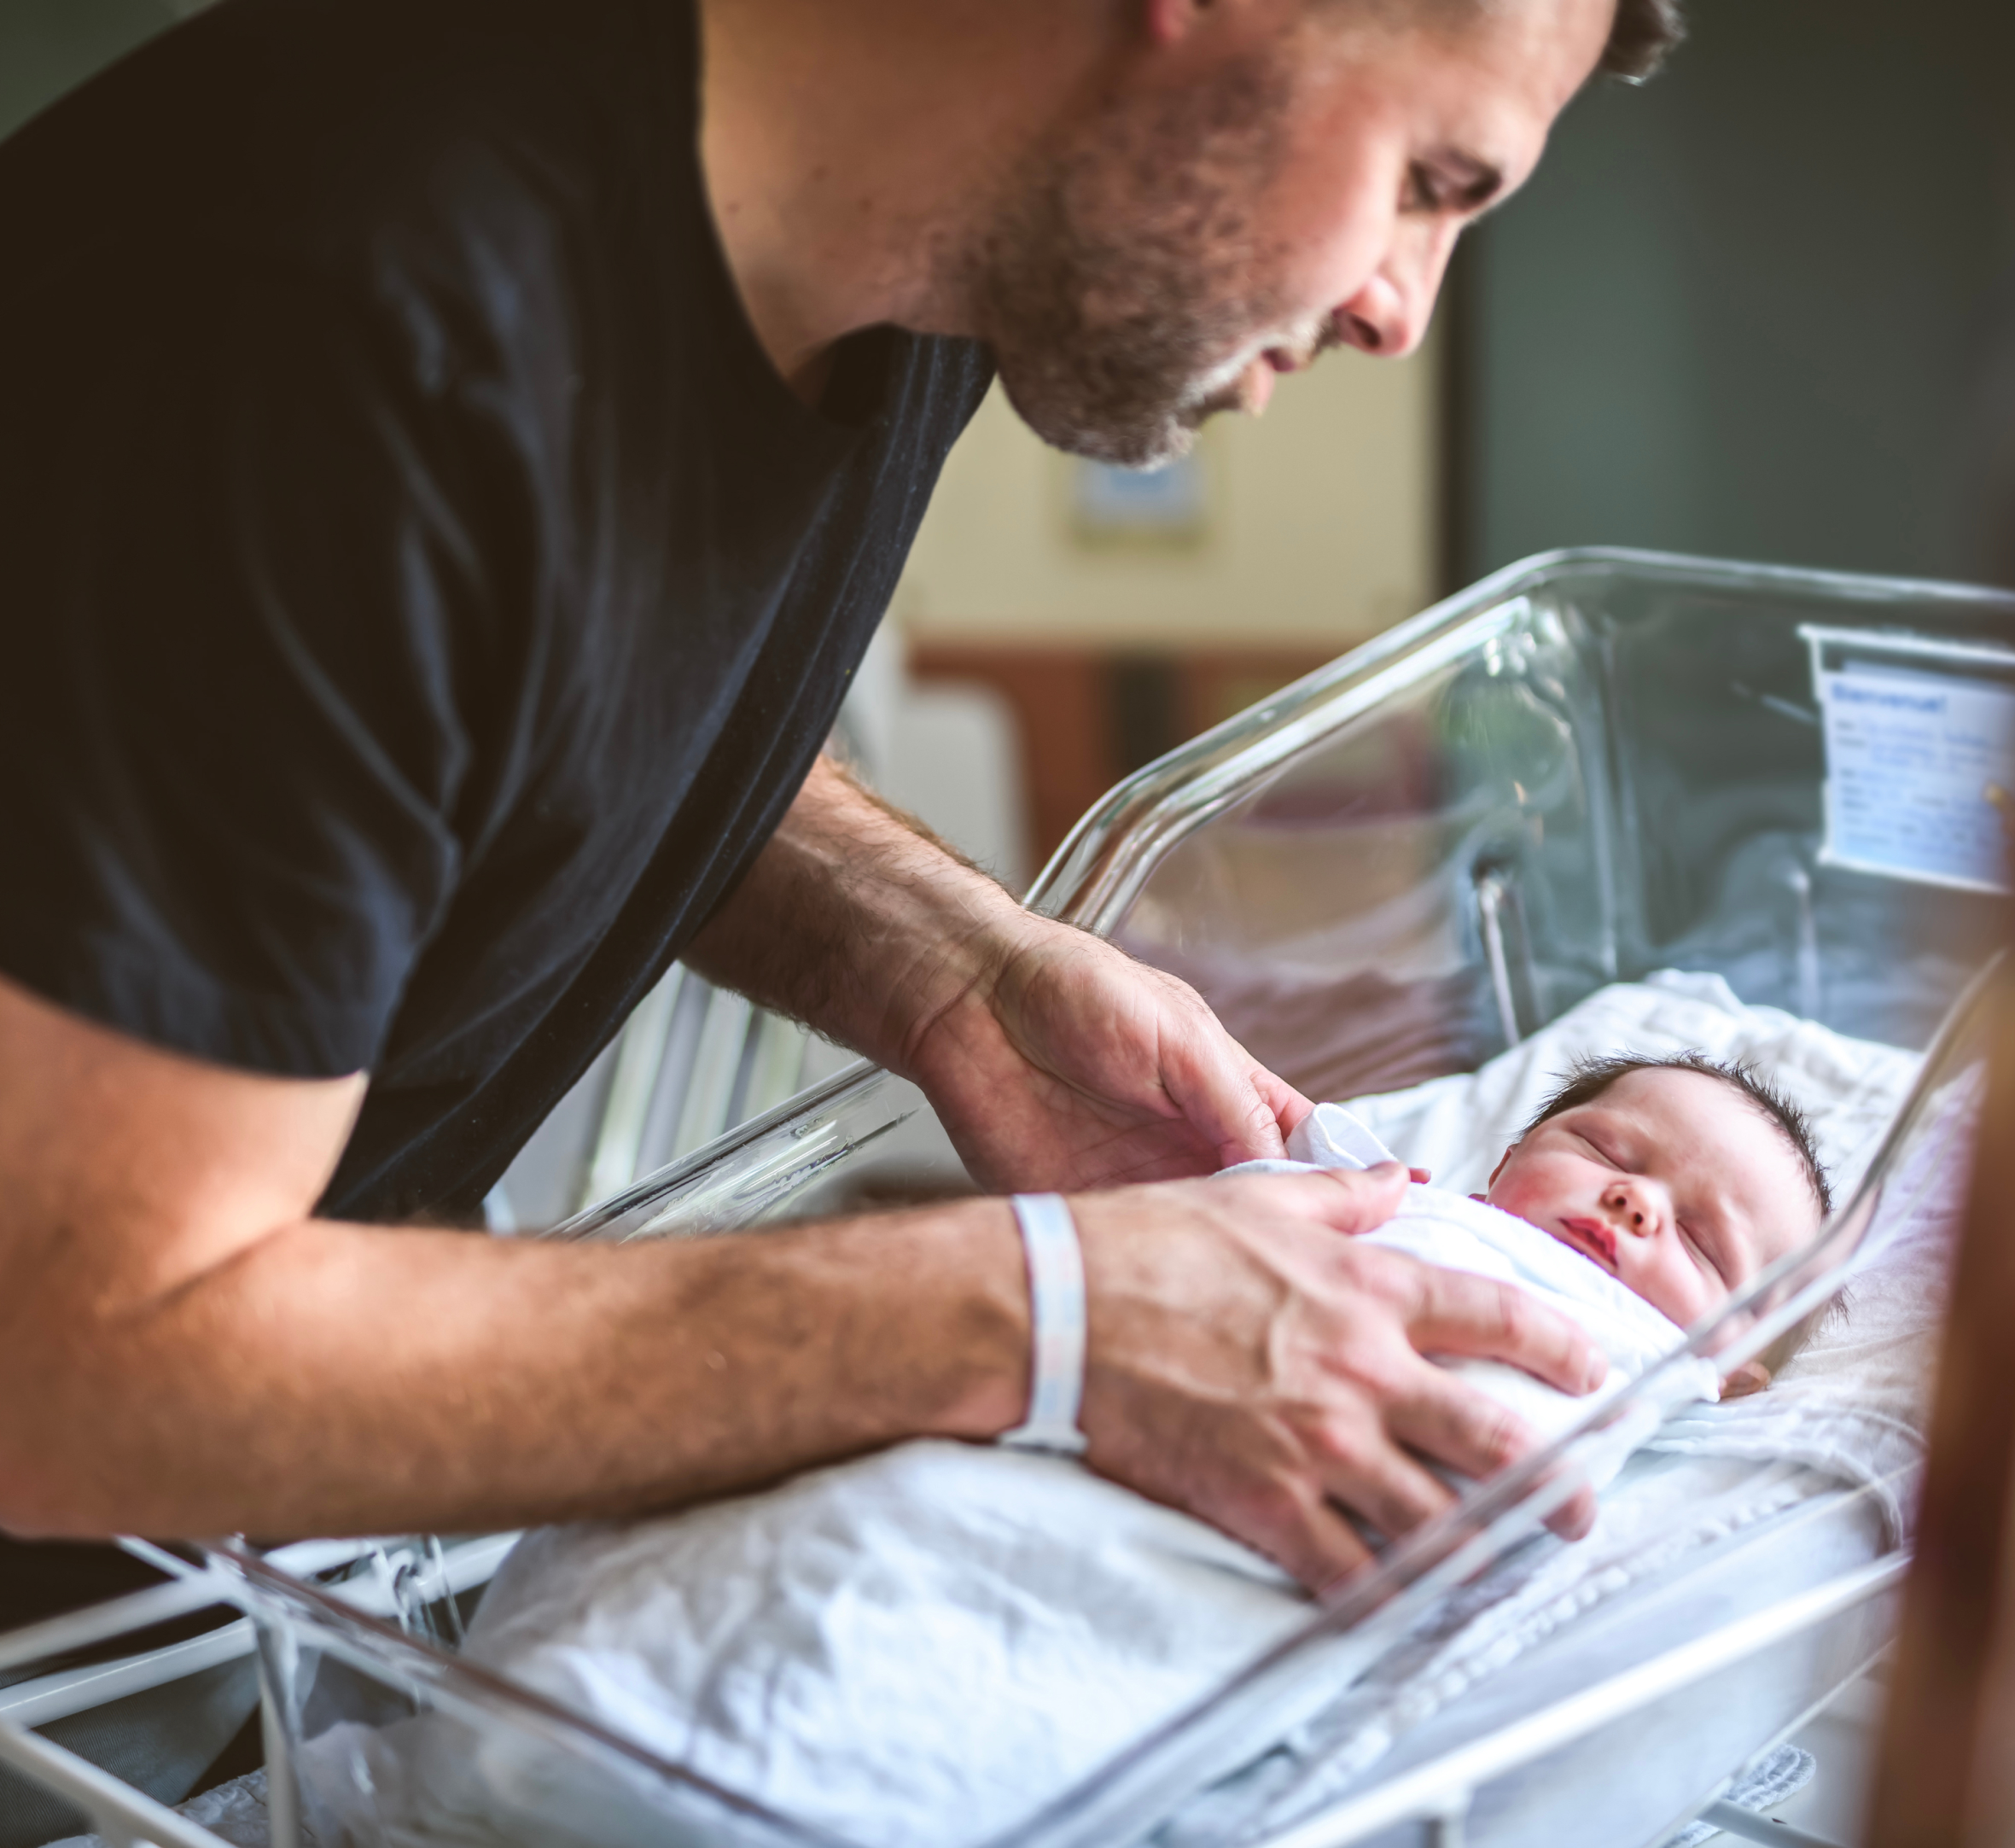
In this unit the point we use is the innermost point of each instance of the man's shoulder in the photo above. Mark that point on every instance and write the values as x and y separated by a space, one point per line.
299 129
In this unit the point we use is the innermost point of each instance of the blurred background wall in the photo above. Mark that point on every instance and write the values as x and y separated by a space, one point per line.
1763 307
47 45
1115 619
1759 308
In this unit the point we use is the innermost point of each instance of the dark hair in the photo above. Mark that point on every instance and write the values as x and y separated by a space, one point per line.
1642 37
1643 34
1587 1079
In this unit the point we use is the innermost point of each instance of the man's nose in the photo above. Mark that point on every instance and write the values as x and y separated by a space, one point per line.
1388 316
1376 320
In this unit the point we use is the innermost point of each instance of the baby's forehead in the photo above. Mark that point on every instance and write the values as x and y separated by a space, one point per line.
1669 1105
1681 1091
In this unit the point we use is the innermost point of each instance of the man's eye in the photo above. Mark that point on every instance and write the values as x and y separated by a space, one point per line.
1425 191
1453 185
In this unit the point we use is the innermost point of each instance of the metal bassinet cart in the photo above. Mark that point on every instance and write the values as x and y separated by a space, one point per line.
1591 766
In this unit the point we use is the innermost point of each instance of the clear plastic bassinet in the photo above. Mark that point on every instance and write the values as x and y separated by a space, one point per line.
1592 767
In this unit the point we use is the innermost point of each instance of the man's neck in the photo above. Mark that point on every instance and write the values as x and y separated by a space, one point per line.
855 150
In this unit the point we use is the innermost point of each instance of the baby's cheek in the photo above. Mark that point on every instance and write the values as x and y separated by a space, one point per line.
1509 1186
1684 1297
1527 1195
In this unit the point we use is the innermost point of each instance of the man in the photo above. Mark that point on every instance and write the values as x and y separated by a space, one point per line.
454 454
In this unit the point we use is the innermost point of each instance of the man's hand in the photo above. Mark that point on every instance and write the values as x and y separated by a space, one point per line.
1071 1065
1054 1059
1250 1362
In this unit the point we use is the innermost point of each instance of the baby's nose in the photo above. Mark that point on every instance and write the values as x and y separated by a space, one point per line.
1628 1208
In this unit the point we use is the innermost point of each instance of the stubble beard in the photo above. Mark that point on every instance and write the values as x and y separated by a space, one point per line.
1120 286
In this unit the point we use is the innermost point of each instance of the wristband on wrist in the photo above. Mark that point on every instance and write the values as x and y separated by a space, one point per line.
1056 1324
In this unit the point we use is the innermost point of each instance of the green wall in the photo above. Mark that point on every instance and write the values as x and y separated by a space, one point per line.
47 46
1755 308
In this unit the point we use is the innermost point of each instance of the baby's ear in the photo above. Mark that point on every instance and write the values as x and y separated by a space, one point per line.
1751 1377
1500 1168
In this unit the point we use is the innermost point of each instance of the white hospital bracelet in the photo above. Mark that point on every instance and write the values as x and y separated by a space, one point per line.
1056 1325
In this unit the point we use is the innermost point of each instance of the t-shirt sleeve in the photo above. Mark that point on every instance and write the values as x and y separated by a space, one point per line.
242 617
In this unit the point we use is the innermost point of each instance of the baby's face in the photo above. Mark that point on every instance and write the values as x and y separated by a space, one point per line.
1671 1180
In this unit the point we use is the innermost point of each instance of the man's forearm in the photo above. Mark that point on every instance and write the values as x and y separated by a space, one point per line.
854 922
181 1354
334 1379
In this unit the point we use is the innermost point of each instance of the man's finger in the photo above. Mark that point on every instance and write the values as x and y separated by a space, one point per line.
1343 1200
1446 1419
1383 1486
1289 1106
1575 1519
1308 1538
1215 1083
1473 1435
1456 1313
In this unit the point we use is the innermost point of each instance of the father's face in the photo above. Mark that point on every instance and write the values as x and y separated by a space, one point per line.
1268 179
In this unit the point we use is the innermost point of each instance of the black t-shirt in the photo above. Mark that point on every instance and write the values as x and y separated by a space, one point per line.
423 597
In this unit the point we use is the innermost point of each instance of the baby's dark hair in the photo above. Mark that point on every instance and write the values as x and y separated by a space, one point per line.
1587 1079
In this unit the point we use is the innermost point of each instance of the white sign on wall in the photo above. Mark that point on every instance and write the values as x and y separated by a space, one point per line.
1170 503
1920 756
